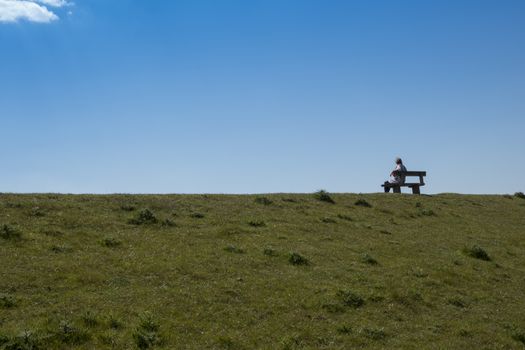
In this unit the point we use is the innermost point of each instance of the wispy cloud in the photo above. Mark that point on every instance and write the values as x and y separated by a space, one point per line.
30 10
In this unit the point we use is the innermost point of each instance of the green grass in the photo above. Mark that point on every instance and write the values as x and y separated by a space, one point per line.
283 271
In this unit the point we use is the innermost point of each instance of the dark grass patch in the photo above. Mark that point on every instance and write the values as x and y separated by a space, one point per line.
519 336
147 335
71 335
363 203
427 212
26 340
477 252
4 339
350 299
374 333
90 319
385 232
144 217
37 212
168 223
327 220
334 308
197 215
520 195
263 201
297 259
368 259
57 249
419 273
345 217
324 196
270 252
344 329
407 298
290 200
127 207
234 249
257 223
110 242
465 333
457 302
9 232
115 323
52 233
7 301
507 196
13 205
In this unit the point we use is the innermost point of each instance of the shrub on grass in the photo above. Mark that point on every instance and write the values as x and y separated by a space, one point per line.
368 259
27 340
297 259
477 253
324 196
519 195
363 203
197 215
8 232
144 217
147 335
350 299
263 201
257 223
68 334
234 249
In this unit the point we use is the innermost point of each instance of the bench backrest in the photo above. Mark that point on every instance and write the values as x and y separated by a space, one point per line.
413 173
421 174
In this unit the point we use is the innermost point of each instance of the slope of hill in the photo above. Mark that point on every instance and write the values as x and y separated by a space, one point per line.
275 271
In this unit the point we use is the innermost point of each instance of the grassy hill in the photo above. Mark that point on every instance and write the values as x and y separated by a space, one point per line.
276 271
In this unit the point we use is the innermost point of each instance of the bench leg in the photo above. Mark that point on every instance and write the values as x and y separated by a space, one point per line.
415 189
397 189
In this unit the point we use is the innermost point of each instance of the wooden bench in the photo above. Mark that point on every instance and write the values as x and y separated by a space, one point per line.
413 185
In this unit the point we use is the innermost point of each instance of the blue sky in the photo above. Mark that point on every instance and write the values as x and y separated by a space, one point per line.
236 96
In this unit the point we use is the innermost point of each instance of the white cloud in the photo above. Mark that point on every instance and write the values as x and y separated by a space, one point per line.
54 3
30 10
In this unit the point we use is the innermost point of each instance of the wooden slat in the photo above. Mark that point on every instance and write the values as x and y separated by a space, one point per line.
406 184
413 173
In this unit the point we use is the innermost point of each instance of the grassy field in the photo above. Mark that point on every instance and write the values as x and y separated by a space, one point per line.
283 271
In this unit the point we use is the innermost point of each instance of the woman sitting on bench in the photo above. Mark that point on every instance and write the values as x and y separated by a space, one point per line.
395 177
